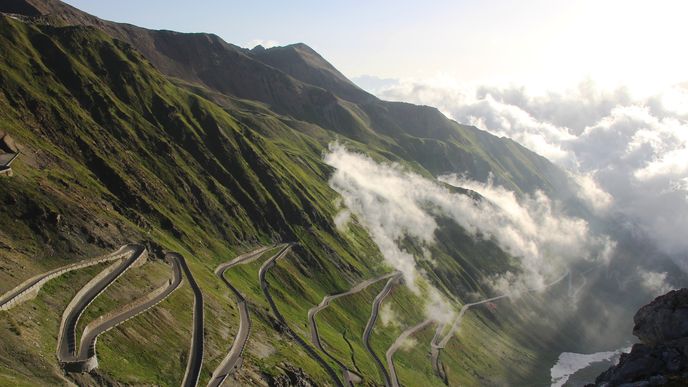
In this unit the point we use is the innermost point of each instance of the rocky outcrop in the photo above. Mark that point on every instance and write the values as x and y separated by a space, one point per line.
663 320
291 377
661 358
7 143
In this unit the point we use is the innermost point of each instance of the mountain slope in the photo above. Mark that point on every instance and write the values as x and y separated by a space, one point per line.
296 81
113 152
154 136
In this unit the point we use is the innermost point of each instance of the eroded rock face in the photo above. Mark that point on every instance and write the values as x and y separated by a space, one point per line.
664 319
661 359
292 377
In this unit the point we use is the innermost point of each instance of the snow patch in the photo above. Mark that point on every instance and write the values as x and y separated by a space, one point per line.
569 363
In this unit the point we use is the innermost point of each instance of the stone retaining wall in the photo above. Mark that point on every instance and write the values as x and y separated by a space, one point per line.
10 300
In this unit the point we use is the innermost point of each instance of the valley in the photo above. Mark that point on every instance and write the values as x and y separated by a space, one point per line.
278 224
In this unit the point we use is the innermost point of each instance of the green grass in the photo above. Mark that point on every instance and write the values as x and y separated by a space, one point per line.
36 322
123 154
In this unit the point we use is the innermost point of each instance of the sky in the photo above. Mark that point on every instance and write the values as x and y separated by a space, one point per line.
540 43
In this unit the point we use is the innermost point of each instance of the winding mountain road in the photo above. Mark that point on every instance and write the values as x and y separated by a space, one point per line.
234 356
266 291
195 360
349 376
436 346
30 288
104 323
66 346
371 323
397 344
83 358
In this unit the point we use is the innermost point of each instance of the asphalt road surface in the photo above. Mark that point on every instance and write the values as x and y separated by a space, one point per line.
33 284
195 360
371 323
87 347
66 347
349 376
397 344
266 291
234 356
437 345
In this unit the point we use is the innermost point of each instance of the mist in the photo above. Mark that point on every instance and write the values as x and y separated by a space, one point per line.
393 203
628 153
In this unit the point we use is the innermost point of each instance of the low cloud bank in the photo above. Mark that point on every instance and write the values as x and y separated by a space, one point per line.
629 154
393 203
656 283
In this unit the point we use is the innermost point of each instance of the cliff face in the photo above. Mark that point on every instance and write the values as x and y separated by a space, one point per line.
661 358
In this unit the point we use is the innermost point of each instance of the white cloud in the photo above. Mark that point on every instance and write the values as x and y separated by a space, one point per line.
388 317
569 363
438 308
392 203
408 344
342 219
628 153
591 193
672 163
533 229
655 282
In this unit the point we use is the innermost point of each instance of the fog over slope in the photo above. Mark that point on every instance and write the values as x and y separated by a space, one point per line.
393 203
628 153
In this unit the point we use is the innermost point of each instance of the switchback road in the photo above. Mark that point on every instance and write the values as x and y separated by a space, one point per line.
233 359
371 323
436 346
29 288
313 312
87 345
195 360
266 291
397 344
66 346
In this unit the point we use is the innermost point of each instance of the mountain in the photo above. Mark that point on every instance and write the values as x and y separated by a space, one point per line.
186 143
660 357
303 63
293 80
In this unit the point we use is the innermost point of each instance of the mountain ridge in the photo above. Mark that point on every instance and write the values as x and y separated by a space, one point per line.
234 71
119 149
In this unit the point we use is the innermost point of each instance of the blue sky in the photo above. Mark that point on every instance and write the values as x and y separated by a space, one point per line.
535 43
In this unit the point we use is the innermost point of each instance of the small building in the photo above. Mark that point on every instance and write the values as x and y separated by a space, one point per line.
6 160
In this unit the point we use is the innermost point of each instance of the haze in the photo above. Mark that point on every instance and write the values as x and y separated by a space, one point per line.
541 44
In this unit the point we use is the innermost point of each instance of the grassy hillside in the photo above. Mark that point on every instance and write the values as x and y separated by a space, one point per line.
114 151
